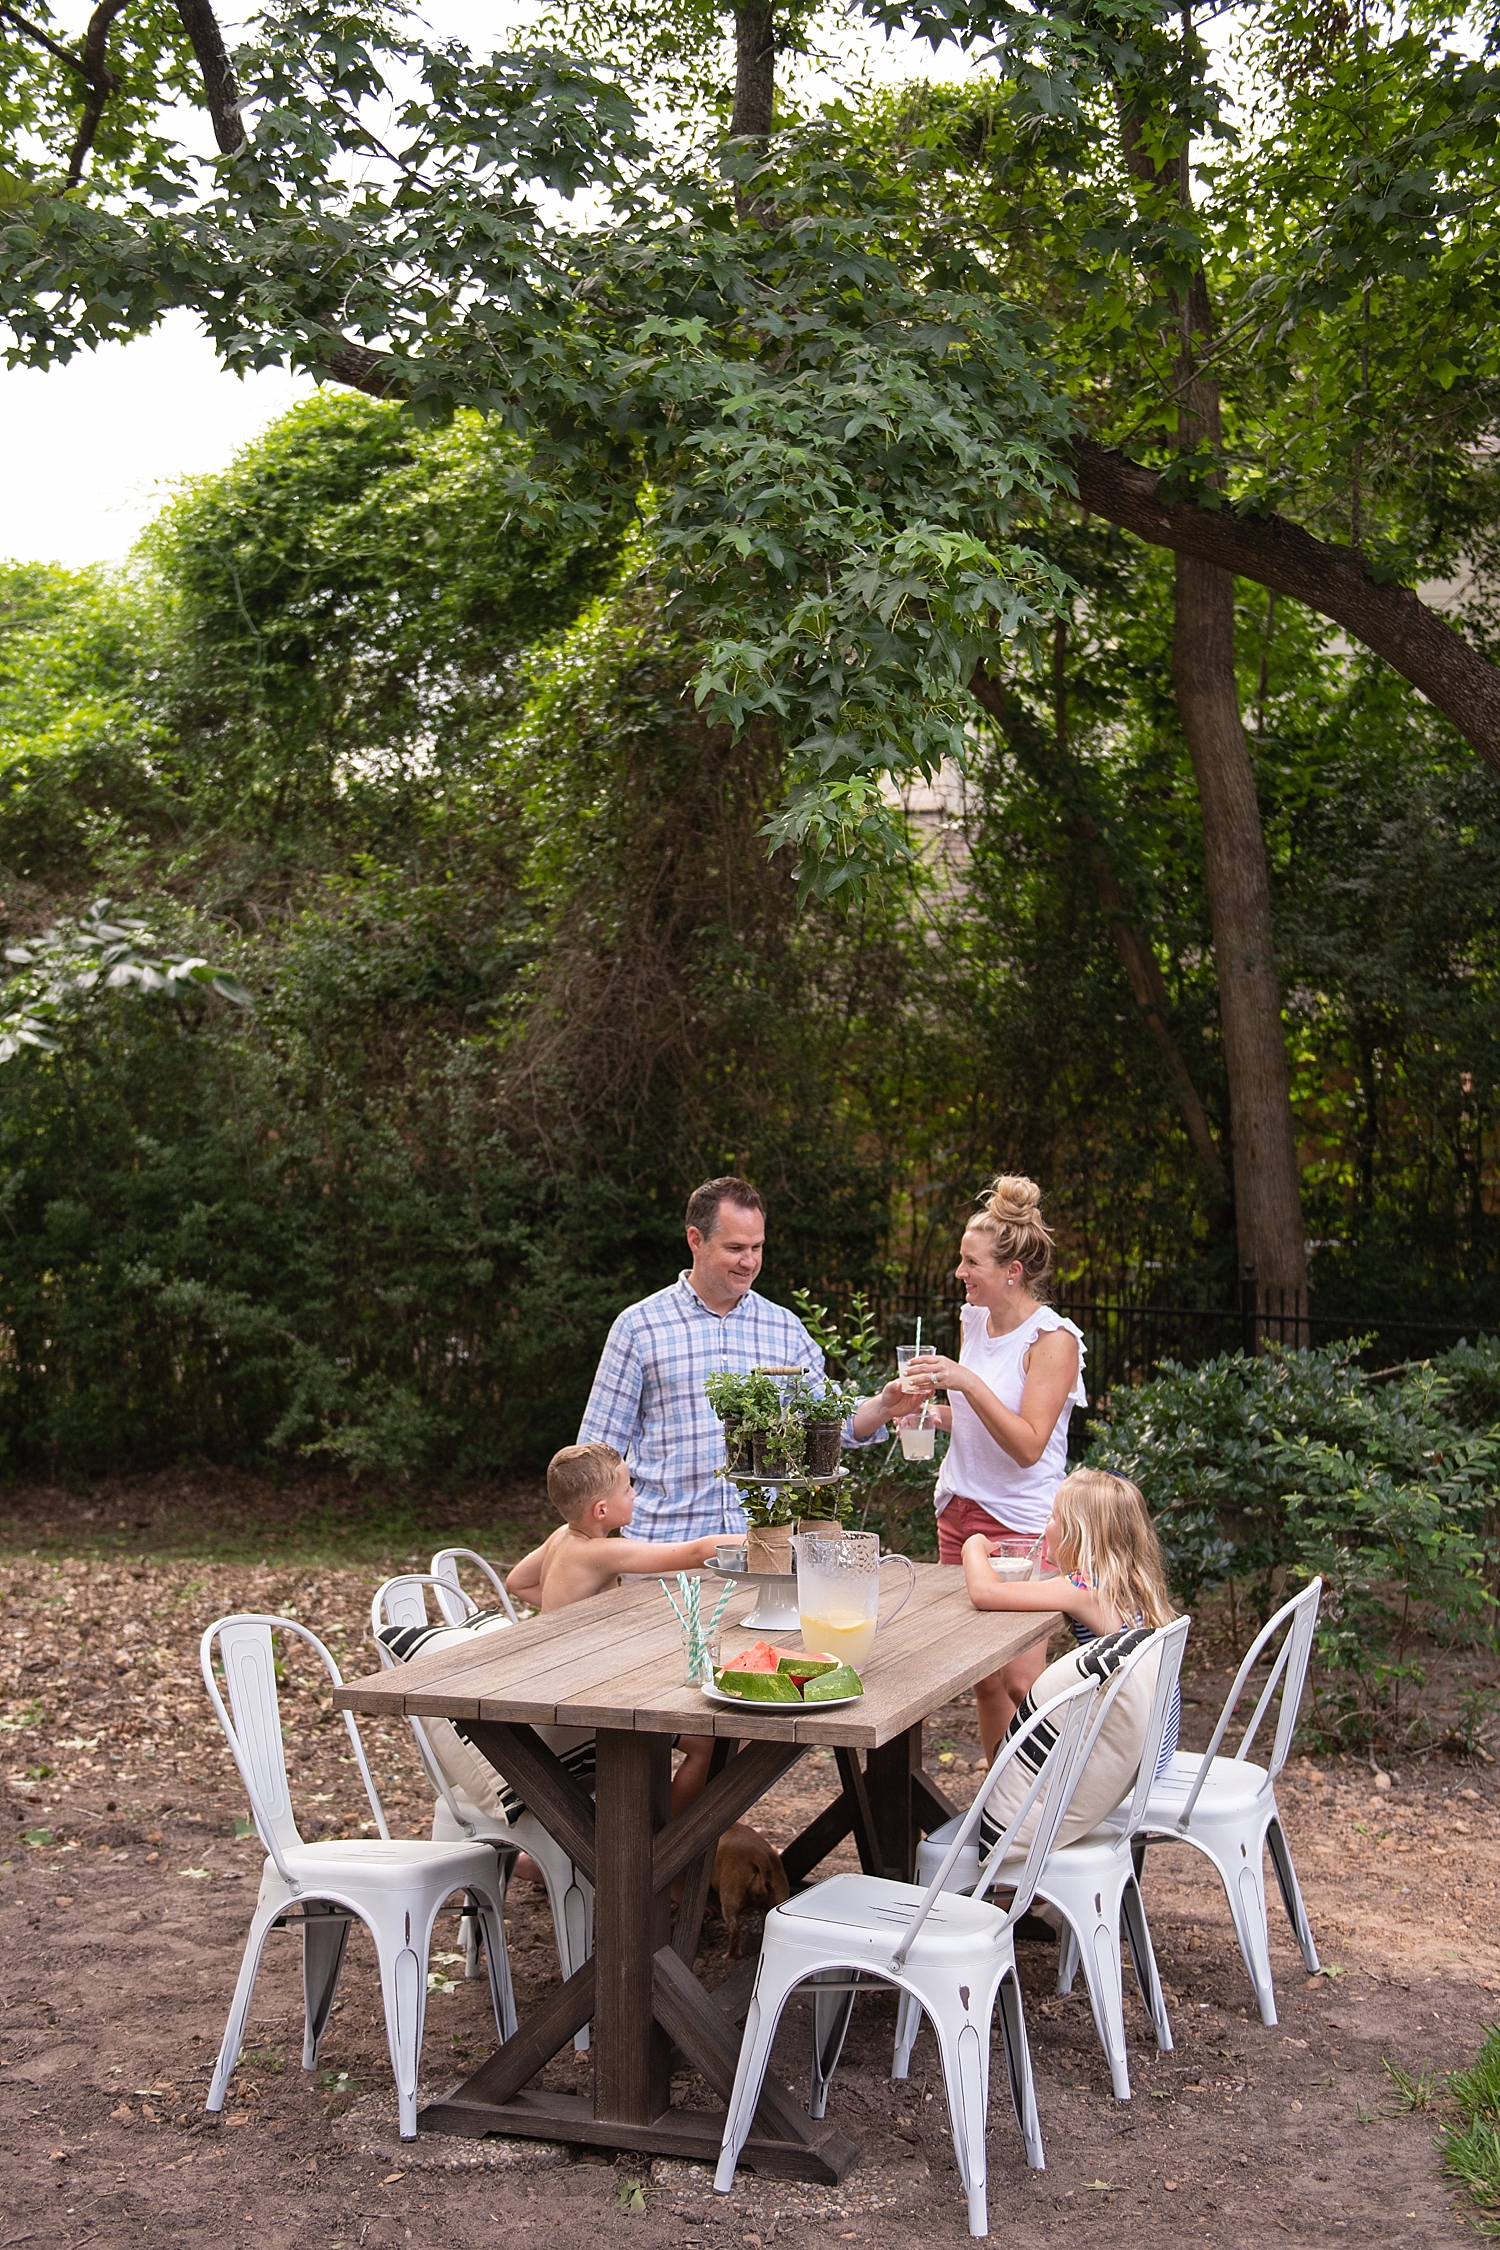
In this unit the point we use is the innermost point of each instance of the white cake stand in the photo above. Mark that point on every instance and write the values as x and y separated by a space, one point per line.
775 1609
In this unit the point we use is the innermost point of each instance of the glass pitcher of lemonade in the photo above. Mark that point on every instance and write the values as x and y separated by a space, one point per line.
838 1593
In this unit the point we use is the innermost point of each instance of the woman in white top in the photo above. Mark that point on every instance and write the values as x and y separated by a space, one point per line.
1010 1392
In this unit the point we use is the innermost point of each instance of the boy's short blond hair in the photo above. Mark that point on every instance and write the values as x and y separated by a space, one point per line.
580 1474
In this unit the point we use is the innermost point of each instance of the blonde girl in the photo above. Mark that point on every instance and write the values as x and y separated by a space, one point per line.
1101 1540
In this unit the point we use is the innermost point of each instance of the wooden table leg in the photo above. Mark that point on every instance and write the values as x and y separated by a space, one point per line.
632 1921
889 1776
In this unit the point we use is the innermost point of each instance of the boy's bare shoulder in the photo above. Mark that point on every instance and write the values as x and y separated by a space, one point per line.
570 1567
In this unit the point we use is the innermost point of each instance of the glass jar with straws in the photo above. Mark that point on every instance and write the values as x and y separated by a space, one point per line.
700 1636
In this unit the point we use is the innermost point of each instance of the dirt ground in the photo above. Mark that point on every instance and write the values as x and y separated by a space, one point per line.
124 1897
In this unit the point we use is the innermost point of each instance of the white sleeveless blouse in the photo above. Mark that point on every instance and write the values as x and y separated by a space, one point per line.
975 1467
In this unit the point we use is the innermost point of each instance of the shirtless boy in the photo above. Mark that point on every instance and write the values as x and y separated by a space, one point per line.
590 1487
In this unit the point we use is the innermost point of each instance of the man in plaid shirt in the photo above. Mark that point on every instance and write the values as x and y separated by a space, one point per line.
648 1399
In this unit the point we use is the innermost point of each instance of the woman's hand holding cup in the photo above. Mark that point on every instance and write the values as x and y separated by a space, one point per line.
911 1371
931 1371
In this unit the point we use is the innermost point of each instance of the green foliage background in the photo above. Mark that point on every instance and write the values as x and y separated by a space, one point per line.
424 771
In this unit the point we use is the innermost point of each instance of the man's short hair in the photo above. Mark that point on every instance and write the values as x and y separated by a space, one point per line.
579 1475
703 1203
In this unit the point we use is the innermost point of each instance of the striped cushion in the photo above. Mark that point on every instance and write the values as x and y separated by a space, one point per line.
472 1778
1113 1760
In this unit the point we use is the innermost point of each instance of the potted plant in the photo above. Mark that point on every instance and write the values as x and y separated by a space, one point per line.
825 1510
780 1442
737 1398
768 1542
822 1412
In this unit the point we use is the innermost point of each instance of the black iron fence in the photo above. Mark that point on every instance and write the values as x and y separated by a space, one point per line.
1126 1342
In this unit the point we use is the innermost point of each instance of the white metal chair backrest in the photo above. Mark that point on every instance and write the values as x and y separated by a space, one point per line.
1171 1640
1295 1621
402 1601
252 1723
1057 1730
445 1570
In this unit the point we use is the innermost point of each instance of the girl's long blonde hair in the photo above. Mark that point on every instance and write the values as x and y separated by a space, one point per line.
1104 1533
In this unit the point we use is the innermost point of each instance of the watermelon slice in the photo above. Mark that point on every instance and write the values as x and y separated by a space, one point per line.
761 1658
799 1667
830 1685
757 1687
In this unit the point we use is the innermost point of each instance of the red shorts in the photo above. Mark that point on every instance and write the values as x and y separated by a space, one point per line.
960 1520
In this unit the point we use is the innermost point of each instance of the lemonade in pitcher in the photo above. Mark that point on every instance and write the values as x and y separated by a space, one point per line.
846 1634
838 1592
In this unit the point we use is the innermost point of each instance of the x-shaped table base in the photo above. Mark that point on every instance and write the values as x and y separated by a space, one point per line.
639 1988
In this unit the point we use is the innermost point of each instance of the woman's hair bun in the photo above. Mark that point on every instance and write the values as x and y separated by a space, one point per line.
1013 1200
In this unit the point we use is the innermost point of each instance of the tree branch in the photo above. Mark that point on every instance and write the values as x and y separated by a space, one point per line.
754 73
34 31
100 80
1390 620
220 92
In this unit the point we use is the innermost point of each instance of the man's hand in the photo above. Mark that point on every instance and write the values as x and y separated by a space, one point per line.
885 1406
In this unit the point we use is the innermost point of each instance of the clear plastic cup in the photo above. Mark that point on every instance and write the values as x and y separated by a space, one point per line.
915 1384
1013 1559
916 1445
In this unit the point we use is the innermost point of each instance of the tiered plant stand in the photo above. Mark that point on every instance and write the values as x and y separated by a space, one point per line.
775 1609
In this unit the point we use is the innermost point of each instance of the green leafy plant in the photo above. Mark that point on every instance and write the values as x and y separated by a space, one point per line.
768 1507
739 1397
58 977
1471 2149
1409 2089
884 1492
781 1441
1262 1473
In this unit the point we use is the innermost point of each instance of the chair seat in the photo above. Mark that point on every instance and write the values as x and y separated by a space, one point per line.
1234 1786
877 1910
397 1860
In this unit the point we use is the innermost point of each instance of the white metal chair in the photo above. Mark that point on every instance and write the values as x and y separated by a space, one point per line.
444 1568
1092 1883
402 1601
954 1955
395 1888
1226 1807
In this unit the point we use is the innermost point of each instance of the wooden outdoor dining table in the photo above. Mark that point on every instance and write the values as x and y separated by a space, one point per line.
615 1663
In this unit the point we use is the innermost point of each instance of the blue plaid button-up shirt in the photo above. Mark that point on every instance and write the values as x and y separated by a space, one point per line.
648 1401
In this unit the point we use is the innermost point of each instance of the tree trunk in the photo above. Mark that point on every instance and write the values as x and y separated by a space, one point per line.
754 73
1267 1196
1267 1200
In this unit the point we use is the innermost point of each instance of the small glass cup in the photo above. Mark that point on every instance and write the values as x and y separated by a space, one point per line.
729 1554
917 1385
702 1656
1014 1560
916 1444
